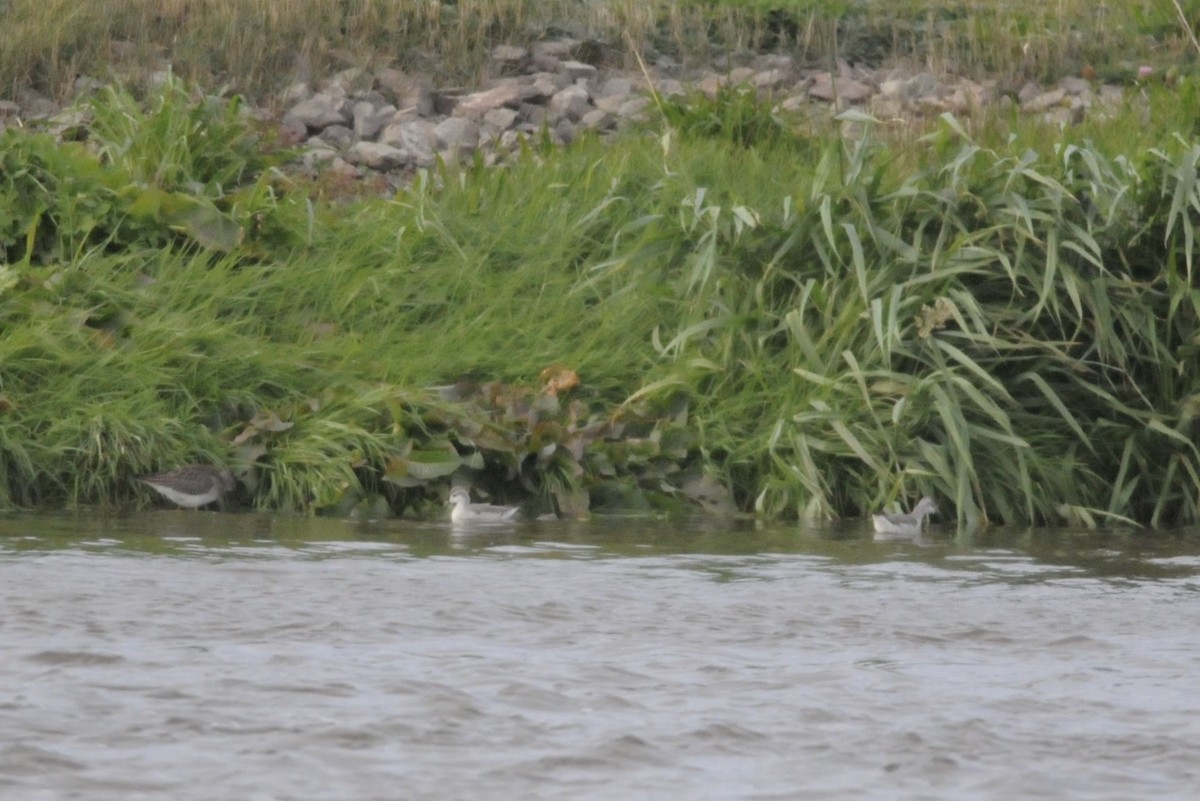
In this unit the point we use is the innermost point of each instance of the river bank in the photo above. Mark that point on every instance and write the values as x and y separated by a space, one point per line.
764 295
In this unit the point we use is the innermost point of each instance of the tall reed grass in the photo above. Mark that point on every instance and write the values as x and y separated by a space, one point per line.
822 325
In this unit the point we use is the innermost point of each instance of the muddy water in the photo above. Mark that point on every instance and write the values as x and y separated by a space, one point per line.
210 656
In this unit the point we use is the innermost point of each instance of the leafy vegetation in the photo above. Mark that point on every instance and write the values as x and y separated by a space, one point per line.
730 308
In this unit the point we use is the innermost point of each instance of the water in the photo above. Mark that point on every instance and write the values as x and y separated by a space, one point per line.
208 656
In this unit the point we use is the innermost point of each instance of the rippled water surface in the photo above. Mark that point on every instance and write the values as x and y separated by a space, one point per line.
210 656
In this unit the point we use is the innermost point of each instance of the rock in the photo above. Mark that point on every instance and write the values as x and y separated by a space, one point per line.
614 87
405 91
633 108
556 48
847 90
457 135
71 124
377 155
1028 92
1075 86
598 119
543 86
670 87
509 55
317 112
338 135
741 75
570 103
774 61
478 104
564 131
709 86
795 103
577 70
769 79
922 85
350 81
369 119
501 118
417 139
612 104
533 115
1111 95
296 92
1045 100
316 155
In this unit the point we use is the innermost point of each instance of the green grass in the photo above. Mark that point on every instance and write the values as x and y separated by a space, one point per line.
1001 316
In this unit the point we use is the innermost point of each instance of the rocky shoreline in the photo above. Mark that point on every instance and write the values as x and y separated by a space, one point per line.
389 122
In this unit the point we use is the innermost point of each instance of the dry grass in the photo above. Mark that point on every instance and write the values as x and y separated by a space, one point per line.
259 46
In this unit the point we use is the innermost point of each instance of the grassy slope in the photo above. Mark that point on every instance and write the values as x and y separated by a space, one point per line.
842 324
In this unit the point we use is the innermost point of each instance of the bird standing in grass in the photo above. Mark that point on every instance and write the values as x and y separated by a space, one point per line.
193 485
909 524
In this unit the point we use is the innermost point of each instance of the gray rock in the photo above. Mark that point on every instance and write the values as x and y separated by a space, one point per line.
513 139
599 120
338 135
848 90
1044 101
457 135
417 139
741 75
1075 86
613 87
545 63
1028 92
501 118
795 103
533 115
543 86
774 61
369 119
570 103
671 87
557 48
509 55
405 91
612 103
317 112
769 79
633 108
295 93
1111 95
351 81
478 104
377 155
564 131
577 70
317 154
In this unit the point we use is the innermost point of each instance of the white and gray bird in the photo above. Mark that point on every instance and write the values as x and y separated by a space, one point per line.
193 485
909 524
466 512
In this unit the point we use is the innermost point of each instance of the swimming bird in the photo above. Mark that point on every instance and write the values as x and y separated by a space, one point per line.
193 485
466 512
909 524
